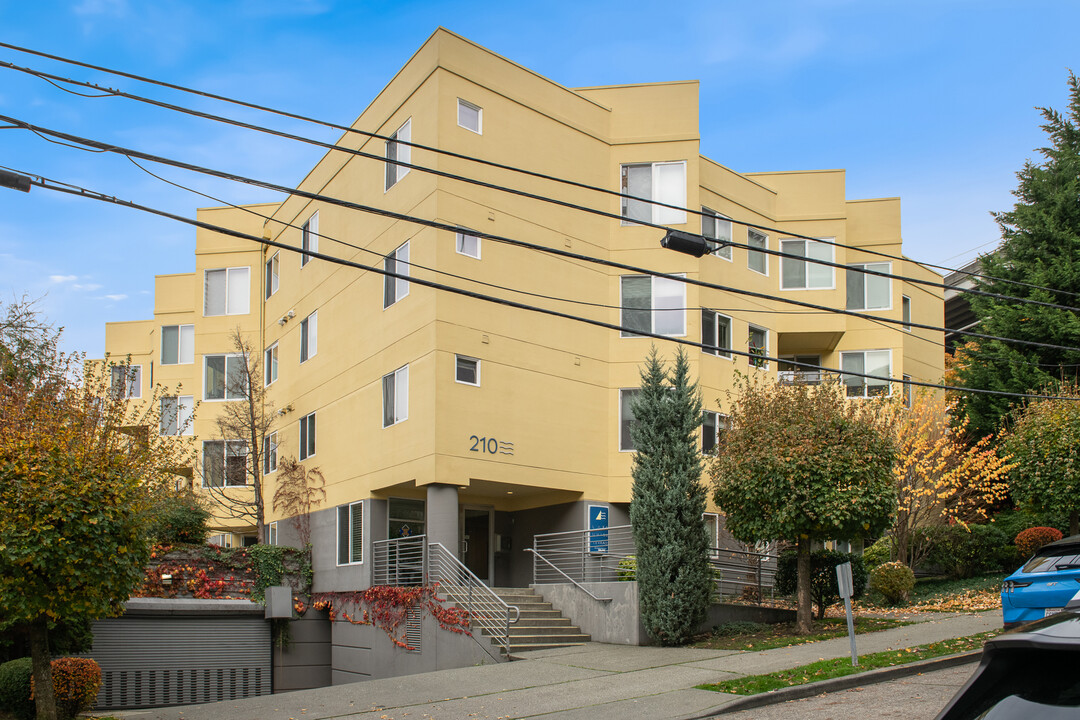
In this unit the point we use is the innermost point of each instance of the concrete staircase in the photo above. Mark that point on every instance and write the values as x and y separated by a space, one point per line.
540 627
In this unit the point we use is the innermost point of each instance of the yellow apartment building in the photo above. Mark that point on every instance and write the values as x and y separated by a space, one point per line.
480 424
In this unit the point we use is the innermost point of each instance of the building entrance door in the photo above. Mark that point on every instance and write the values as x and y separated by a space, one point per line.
476 541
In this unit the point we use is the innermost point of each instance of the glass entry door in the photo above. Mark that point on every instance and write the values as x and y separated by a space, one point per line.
476 541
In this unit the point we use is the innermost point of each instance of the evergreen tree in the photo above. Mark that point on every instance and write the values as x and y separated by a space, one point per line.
1041 246
674 579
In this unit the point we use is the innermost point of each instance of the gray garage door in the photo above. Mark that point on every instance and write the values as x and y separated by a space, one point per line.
155 661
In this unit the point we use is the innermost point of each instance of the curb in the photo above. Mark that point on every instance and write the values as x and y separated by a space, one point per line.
870 677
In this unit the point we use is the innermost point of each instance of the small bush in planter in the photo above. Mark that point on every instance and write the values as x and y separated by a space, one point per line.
76 682
894 580
1030 540
627 569
15 688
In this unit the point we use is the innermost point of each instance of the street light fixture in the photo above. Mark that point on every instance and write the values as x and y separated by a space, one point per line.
14 181
686 243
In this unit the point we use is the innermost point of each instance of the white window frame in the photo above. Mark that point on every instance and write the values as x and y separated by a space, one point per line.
270 455
206 361
132 379
272 275
459 244
656 282
622 393
658 214
905 312
723 351
718 221
185 344
185 412
395 151
272 533
309 238
400 396
476 363
270 365
908 391
713 536
307 436
226 445
718 418
309 337
752 253
787 246
864 382
396 289
353 512
752 361
854 268
242 304
479 129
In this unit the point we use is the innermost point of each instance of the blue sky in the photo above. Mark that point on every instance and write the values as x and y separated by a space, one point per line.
930 101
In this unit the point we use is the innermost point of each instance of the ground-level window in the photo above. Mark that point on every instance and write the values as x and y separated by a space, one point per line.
712 529
271 534
350 530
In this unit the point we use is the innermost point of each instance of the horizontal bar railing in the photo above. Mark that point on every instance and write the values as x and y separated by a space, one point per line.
399 561
486 609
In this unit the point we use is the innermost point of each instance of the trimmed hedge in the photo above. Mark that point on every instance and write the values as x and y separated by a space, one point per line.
824 589
964 553
15 688
894 580
1030 540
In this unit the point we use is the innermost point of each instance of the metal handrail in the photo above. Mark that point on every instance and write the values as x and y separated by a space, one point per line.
461 586
575 582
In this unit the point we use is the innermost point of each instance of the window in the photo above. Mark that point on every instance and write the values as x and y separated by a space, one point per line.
395 288
395 394
716 227
271 534
792 370
350 527
905 306
653 304
757 345
270 453
468 245
176 415
126 381
663 182
177 344
224 540
270 364
907 391
757 261
227 291
406 517
712 532
868 292
272 275
224 377
395 151
871 362
309 238
470 117
713 425
307 436
224 463
716 333
626 418
309 336
802 275
467 370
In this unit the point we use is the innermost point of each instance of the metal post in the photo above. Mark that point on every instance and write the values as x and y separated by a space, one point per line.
507 633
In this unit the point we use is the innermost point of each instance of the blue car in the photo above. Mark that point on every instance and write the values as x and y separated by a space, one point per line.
1045 585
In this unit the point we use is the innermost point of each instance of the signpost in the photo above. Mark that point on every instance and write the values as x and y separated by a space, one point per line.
843 580
598 525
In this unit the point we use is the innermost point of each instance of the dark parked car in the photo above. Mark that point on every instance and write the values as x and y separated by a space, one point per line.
1031 673
1046 583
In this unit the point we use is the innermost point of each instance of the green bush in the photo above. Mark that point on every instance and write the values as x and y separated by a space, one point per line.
894 580
1012 522
15 679
878 553
964 553
824 590
627 568
179 519
1030 540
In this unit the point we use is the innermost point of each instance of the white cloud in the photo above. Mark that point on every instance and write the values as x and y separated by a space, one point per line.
63 278
116 298
86 286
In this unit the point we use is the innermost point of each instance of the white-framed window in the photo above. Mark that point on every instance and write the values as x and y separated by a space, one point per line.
270 365
176 415
467 244
755 260
227 291
905 311
712 531
663 182
309 336
350 532
177 344
869 292
626 418
715 333
907 391
871 362
715 226
272 275
470 117
395 393
223 378
307 436
309 238
713 425
798 274
397 152
125 381
395 288
224 463
757 344
224 540
270 446
653 304
466 370
272 533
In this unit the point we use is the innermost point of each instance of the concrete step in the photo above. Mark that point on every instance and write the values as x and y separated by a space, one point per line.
516 648
565 639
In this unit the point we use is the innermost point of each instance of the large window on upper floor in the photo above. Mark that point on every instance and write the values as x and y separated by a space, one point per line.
396 151
869 362
755 260
177 344
224 463
716 333
663 182
395 288
470 117
715 226
798 274
869 292
176 415
227 291
309 238
125 381
395 393
224 377
467 244
653 305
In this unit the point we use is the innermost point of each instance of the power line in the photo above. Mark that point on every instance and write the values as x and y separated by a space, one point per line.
70 189
107 92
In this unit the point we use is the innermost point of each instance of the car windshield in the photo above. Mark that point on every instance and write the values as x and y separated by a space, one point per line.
1050 559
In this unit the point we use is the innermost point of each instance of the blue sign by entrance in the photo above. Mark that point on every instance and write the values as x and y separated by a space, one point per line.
598 525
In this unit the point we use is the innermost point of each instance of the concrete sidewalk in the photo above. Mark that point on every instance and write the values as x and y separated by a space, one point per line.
592 682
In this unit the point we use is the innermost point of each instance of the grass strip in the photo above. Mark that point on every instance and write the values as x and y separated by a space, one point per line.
762 636
839 667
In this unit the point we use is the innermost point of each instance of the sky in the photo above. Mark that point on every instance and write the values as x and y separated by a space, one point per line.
933 102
